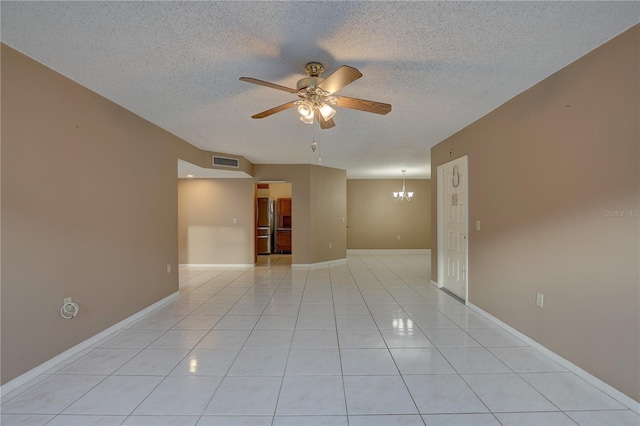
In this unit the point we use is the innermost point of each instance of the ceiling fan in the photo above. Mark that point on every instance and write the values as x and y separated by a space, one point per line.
317 95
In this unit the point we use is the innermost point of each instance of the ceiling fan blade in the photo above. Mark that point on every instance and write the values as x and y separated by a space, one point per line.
272 111
326 124
340 78
267 84
363 105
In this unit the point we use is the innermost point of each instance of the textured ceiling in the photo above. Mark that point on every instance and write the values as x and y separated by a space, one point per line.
442 65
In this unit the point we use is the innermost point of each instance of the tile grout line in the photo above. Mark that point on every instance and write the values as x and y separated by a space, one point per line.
335 318
284 372
376 267
188 352
396 364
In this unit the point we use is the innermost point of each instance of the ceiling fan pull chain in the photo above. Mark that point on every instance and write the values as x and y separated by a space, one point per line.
314 144
316 140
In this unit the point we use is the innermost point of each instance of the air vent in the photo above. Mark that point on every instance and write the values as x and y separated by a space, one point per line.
226 162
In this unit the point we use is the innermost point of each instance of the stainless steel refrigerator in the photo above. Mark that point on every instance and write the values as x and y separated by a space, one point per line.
264 225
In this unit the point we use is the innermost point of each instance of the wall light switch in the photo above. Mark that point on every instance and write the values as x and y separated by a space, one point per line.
330 245
477 225
235 220
540 299
168 268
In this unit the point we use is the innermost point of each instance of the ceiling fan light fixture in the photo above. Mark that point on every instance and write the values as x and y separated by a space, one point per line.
307 119
316 95
327 112
305 109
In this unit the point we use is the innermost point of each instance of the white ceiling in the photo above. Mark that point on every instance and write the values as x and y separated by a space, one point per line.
442 65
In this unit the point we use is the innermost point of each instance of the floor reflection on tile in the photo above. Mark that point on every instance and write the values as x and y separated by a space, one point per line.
368 342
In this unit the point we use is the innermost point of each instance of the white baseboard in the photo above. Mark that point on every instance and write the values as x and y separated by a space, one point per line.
435 284
48 365
389 251
318 264
216 265
588 377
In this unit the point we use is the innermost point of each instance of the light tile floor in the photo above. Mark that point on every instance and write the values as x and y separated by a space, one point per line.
369 342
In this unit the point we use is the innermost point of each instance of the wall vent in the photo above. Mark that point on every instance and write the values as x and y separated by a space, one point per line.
226 162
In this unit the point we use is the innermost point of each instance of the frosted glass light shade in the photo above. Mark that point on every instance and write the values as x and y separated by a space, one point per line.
327 112
305 109
307 119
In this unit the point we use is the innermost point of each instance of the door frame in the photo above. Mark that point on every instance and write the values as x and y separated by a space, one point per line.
440 220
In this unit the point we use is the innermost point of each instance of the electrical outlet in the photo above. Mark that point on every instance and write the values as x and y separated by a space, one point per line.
540 299
235 220
168 268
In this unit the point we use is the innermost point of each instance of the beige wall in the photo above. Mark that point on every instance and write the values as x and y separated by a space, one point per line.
328 212
546 180
207 207
88 211
206 232
279 190
317 194
376 219
299 176
275 191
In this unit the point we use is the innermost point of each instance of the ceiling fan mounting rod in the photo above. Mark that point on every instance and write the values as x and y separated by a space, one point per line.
314 69
307 84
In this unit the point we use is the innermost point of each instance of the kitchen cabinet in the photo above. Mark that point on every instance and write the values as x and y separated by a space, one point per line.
283 231
284 206
284 213
283 241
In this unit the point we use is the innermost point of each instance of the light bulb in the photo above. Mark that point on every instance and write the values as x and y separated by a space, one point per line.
307 120
314 145
327 112
305 109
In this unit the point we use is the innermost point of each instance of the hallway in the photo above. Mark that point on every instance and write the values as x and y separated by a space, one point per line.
368 342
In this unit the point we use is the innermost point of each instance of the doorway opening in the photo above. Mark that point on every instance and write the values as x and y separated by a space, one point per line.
453 228
273 219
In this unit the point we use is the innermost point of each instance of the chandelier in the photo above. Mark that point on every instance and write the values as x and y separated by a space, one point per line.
403 195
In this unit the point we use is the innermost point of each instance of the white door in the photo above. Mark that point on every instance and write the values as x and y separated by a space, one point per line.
454 221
